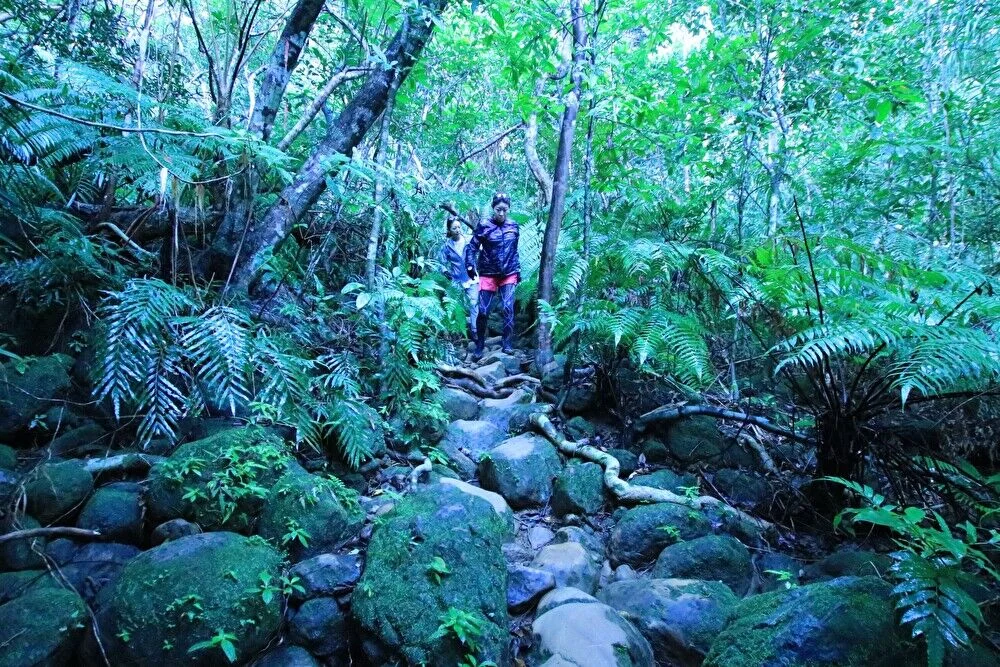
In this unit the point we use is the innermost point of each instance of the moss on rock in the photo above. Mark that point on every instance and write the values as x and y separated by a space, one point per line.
219 482
848 621
27 391
642 532
41 628
713 557
578 489
56 490
186 591
399 601
115 511
327 511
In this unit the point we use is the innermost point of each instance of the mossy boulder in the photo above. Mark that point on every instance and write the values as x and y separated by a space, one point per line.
15 584
713 557
79 441
654 451
24 554
578 428
578 489
508 414
457 404
404 595
89 568
41 628
184 592
571 565
573 628
464 441
628 462
521 469
115 511
699 440
27 390
679 617
219 482
324 511
846 621
849 563
321 626
742 488
57 490
666 479
641 533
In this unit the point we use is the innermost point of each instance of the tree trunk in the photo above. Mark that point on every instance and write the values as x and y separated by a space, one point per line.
140 58
560 185
250 245
531 153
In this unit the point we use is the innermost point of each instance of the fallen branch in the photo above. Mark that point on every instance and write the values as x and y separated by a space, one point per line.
135 247
671 414
54 531
756 445
122 463
631 493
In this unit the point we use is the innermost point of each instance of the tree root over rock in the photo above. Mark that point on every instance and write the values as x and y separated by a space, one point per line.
631 493
473 383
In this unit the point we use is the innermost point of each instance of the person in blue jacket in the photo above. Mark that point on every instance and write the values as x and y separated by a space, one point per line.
452 258
492 253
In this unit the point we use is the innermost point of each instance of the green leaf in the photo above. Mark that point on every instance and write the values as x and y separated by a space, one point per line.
364 298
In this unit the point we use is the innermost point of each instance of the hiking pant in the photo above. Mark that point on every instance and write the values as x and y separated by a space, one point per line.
472 305
486 299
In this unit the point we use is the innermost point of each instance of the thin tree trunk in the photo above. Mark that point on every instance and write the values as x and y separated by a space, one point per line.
343 136
381 149
560 184
140 59
317 104
531 152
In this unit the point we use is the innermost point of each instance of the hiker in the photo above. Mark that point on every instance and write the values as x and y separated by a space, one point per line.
493 251
452 260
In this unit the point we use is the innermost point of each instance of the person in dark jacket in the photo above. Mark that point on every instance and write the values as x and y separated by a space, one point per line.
493 252
452 258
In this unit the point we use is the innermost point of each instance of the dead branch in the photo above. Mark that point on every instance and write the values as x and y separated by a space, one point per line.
122 463
53 531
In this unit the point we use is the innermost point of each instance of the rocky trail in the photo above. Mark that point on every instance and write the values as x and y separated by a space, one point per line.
518 539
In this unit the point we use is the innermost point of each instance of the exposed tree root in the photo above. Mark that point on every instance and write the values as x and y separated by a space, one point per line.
630 493
757 446
124 463
416 472
54 531
673 413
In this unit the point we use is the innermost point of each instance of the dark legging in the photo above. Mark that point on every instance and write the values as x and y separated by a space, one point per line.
486 299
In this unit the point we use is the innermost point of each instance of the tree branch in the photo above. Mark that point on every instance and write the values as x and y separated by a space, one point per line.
672 414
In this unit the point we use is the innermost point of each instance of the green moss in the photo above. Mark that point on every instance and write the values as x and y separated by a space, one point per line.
847 621
219 482
641 533
42 627
185 591
401 606
327 511
26 392
57 489
15 584
578 489
8 458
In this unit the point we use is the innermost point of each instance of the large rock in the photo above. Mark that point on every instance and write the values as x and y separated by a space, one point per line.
578 489
115 511
26 394
848 563
326 575
742 488
79 441
641 533
327 512
173 530
495 500
457 404
509 414
713 557
57 490
699 440
23 554
579 630
219 482
846 621
286 656
521 469
184 592
465 441
525 585
403 596
627 461
570 564
42 627
15 584
666 479
88 568
679 617
321 627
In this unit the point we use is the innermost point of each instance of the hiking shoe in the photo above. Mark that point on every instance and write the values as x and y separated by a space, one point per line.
507 349
477 354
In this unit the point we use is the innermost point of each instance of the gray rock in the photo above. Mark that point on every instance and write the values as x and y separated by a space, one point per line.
627 462
326 575
578 489
115 511
495 500
77 442
42 627
848 562
320 626
173 530
846 621
641 533
665 479
570 564
286 656
465 441
587 633
586 537
525 585
561 596
57 490
539 536
699 440
9 482
492 372
578 428
457 404
624 573
502 411
521 469
712 558
511 364
680 618
655 451
741 487
95 565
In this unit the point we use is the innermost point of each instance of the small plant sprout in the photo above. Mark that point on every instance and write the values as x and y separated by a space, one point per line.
222 640
437 569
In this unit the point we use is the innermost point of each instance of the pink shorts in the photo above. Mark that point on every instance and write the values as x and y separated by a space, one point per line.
493 283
